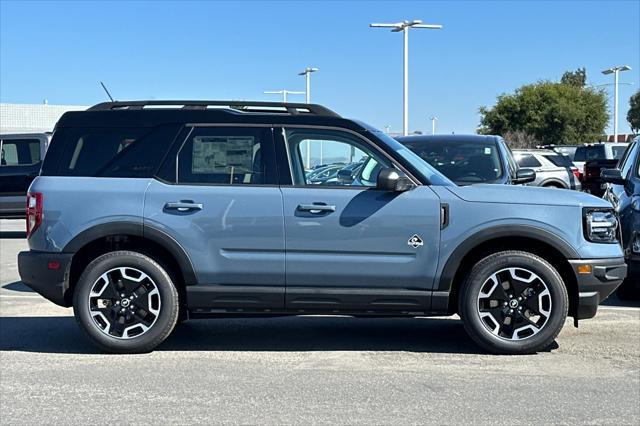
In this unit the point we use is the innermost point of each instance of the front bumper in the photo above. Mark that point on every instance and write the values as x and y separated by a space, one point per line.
593 287
46 273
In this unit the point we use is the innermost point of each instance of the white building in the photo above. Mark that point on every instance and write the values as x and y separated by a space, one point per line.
32 118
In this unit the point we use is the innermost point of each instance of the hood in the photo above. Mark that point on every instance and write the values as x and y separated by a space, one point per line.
515 194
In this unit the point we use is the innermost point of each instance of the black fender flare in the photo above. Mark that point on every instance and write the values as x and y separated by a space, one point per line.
136 229
526 231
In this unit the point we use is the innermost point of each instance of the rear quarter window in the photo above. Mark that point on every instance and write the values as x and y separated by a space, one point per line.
527 160
559 160
108 152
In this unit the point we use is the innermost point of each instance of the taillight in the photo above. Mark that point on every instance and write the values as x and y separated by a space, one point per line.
34 211
576 173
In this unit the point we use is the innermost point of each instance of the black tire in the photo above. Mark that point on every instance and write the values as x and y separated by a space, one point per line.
480 332
164 321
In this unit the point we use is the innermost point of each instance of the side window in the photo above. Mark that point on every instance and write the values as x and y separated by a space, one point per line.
527 160
19 152
108 152
226 156
626 163
357 163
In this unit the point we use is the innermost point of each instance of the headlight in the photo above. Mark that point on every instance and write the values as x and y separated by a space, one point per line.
600 225
635 246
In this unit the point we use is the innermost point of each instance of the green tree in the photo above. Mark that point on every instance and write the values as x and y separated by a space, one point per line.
633 116
575 78
547 112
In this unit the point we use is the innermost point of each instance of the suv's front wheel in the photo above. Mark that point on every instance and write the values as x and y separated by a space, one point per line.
513 302
126 302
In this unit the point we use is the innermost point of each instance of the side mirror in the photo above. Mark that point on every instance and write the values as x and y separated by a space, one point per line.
612 176
525 176
393 180
345 176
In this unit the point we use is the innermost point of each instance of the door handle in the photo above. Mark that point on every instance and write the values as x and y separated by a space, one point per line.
183 206
316 208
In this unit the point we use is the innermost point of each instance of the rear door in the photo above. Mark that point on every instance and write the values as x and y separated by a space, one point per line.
349 246
217 196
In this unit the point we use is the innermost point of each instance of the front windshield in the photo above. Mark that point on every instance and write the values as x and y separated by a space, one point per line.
463 161
433 176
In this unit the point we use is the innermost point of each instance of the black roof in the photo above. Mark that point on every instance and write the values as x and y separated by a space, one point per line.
153 113
447 138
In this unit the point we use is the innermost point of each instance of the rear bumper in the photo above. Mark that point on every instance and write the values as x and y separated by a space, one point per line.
37 270
593 287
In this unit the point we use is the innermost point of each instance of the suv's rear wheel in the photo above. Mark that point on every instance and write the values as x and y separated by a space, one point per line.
513 302
126 302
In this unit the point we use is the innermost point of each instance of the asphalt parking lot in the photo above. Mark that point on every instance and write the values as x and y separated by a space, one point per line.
307 369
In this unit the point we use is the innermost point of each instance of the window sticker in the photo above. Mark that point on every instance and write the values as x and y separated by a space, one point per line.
222 154
487 151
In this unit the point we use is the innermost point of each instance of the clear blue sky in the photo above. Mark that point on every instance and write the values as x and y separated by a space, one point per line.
217 50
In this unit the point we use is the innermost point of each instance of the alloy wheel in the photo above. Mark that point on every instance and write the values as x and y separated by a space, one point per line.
514 304
124 303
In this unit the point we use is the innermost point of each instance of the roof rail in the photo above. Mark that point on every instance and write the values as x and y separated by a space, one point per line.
238 106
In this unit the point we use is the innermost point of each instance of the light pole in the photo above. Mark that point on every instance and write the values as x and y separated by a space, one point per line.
388 128
307 73
404 27
284 93
433 124
615 71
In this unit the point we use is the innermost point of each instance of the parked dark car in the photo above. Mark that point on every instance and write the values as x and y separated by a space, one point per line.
591 180
20 163
597 151
623 191
469 159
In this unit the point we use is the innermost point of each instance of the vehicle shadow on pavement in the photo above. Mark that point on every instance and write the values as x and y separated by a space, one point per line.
284 334
13 234
18 286
614 300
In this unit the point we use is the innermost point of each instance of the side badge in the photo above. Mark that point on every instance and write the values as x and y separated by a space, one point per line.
415 241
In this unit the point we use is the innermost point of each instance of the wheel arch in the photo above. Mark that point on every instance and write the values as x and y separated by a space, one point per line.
508 237
112 236
553 182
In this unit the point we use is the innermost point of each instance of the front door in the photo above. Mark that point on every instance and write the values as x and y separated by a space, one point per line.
219 199
349 246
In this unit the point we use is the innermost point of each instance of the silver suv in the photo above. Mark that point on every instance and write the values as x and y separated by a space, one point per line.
553 170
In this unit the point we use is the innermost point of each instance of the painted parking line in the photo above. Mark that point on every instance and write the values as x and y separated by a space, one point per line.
619 308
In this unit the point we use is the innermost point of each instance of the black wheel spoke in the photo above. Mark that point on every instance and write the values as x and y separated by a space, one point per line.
513 304
122 303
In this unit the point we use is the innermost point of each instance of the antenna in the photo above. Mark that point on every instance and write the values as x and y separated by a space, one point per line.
105 89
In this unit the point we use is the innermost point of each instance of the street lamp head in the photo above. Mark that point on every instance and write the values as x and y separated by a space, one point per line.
614 69
308 70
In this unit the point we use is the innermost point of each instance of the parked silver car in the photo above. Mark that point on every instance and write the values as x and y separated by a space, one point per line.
553 170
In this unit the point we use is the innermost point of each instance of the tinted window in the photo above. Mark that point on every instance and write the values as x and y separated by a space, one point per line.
588 153
463 162
226 156
559 160
109 152
626 162
618 151
527 160
20 152
357 163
